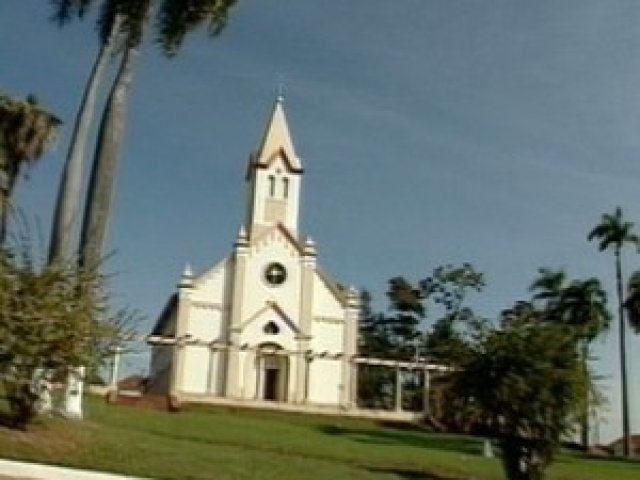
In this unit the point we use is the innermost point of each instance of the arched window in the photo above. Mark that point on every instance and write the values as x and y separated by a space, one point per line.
285 187
272 185
271 329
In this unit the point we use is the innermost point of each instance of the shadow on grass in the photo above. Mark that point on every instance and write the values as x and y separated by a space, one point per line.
407 437
408 474
404 426
9 421
573 457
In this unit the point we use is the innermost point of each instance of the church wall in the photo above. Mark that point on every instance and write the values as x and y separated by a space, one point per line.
210 286
274 247
325 303
324 381
253 333
217 373
205 321
265 210
327 335
197 363
248 374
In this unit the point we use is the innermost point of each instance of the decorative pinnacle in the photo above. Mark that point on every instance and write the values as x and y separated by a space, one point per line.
188 272
186 280
242 241
309 246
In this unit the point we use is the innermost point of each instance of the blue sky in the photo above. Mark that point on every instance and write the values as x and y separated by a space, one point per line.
432 131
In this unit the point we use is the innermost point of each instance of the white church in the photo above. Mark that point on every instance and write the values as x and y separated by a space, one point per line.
265 323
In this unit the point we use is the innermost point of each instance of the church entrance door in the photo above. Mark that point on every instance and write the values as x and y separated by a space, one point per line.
271 383
273 377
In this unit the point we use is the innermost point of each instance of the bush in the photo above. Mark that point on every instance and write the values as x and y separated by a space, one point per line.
52 318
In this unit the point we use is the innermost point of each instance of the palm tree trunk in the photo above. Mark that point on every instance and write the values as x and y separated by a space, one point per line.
101 184
584 416
626 439
67 211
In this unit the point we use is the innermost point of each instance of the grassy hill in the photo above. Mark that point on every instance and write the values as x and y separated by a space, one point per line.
223 444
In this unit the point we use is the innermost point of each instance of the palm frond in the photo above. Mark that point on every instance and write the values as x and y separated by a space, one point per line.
178 17
65 10
632 302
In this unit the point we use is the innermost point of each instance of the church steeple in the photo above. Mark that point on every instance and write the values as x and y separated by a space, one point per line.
274 177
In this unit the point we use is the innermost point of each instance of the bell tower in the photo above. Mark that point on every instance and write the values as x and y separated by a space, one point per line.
274 175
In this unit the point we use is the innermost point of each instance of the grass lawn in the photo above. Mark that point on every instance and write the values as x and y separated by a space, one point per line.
224 444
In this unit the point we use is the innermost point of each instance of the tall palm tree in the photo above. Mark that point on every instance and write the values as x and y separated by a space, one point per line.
121 22
580 304
67 210
583 305
133 16
26 130
613 232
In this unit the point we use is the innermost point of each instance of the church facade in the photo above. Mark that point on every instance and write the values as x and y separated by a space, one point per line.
266 322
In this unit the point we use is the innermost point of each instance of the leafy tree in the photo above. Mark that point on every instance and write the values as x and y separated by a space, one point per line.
373 341
47 324
26 130
391 335
448 287
406 313
523 385
398 333
375 383
580 304
547 288
613 232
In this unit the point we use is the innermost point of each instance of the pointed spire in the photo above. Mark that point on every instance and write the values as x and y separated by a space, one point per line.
277 138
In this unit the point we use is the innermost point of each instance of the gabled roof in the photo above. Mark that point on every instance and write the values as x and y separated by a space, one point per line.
334 287
273 306
285 232
276 141
202 277
161 325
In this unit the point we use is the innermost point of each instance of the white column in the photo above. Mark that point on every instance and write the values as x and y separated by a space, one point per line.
398 389
114 367
425 394
237 295
73 393
354 382
42 385
259 374
349 380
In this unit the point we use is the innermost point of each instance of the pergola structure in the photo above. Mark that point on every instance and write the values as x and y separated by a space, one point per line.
398 366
